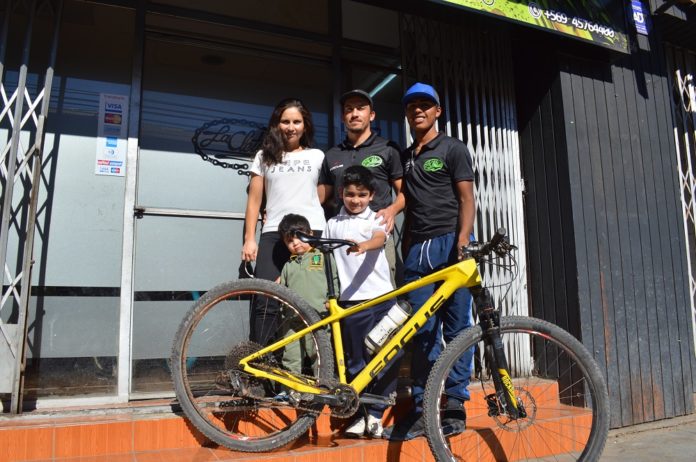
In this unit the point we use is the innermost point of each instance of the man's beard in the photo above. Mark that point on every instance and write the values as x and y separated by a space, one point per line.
356 130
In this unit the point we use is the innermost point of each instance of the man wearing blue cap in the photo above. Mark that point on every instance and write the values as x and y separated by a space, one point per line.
440 210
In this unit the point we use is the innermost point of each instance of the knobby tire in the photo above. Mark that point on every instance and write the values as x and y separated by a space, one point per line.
562 388
255 425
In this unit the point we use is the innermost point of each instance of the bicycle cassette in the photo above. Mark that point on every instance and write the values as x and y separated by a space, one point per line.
235 379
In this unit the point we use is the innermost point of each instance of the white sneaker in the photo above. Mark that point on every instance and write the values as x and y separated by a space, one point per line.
374 426
356 429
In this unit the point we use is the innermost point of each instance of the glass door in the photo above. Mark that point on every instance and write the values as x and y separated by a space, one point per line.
204 109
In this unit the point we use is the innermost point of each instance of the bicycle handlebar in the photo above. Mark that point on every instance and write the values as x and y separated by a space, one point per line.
495 241
498 244
476 250
318 242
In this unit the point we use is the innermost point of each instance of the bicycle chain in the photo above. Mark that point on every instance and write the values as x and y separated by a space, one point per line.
242 169
331 385
269 364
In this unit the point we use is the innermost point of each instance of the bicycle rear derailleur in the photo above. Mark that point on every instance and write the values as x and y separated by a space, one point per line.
235 379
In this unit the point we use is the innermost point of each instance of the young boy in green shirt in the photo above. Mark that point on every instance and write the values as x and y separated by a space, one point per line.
304 274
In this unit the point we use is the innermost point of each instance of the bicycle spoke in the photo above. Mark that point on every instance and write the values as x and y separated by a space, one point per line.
556 395
229 405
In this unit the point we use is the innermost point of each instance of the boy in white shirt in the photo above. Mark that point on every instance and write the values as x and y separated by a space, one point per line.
363 273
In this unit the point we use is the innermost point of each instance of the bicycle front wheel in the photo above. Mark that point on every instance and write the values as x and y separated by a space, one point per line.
558 386
229 406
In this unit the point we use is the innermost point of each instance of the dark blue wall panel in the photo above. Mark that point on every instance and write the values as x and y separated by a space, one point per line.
605 235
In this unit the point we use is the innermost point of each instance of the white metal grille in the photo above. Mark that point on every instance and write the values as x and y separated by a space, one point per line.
20 171
682 64
472 69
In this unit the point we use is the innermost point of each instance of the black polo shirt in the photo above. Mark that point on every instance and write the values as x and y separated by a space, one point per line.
376 153
430 185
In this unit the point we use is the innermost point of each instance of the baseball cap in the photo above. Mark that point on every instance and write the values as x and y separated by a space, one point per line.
357 92
420 90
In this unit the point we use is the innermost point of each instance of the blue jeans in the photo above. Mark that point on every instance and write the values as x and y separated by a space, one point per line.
354 330
447 323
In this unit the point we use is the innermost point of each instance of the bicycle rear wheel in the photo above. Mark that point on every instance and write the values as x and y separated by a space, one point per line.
557 382
226 404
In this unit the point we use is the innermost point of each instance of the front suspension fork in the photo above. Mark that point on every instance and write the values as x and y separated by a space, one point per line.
494 351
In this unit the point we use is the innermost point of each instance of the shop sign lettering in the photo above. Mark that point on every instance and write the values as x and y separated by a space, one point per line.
228 139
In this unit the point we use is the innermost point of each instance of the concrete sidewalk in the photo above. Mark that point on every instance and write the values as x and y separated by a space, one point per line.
671 440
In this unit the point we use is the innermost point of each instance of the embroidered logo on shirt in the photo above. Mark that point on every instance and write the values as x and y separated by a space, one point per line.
372 161
316 261
433 165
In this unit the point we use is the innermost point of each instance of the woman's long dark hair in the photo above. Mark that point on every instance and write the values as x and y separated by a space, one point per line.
273 147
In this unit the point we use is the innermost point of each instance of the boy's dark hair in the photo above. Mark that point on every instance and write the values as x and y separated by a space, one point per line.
291 223
359 176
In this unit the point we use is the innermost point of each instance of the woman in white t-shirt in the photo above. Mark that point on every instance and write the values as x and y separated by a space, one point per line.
286 171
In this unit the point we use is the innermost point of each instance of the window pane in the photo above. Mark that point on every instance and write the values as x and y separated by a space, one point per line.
310 15
197 102
370 24
73 345
74 310
177 260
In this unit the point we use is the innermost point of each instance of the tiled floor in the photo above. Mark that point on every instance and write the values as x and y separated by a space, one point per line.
170 438
643 443
342 450
155 433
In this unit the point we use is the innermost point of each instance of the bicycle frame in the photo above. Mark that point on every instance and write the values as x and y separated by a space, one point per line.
454 277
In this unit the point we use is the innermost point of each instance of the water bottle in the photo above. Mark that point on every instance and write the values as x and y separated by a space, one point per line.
389 323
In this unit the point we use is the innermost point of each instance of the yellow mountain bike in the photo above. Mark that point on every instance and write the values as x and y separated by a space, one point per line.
537 392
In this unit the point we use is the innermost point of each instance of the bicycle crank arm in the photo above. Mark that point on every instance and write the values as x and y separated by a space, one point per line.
338 401
367 398
303 398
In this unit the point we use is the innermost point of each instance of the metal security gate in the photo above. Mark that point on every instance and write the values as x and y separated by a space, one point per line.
471 68
20 170
682 66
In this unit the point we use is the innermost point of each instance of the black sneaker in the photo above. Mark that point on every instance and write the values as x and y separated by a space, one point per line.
409 428
453 421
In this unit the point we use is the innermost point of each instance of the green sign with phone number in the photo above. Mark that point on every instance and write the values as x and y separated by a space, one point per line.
600 22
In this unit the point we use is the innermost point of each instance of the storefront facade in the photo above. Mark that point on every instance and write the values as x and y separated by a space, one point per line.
152 114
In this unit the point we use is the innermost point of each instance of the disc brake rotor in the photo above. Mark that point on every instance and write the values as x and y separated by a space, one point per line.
526 400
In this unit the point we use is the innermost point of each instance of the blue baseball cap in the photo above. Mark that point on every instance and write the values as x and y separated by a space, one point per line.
420 90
